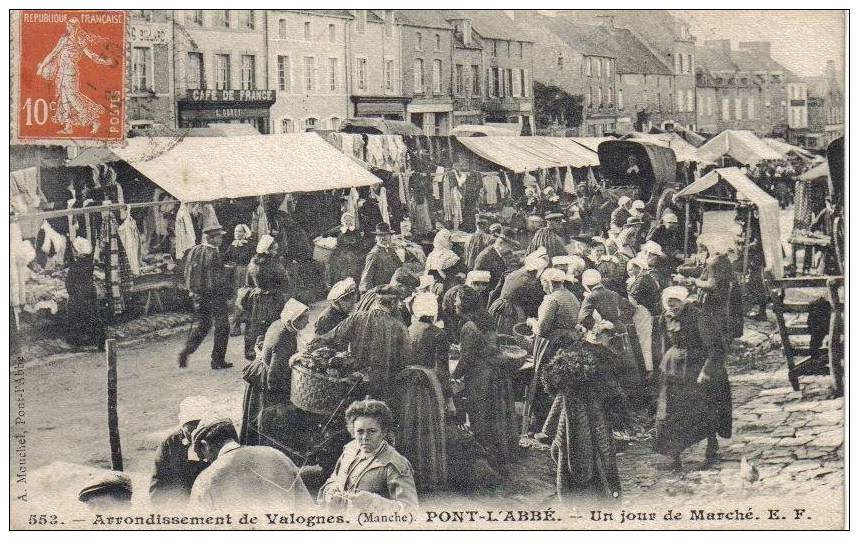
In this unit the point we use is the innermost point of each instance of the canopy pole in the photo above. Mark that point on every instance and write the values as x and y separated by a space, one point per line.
686 232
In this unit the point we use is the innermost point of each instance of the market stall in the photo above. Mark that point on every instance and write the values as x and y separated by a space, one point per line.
743 190
740 145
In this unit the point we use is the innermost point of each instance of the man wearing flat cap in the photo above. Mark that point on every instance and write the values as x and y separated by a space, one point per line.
341 301
549 237
494 258
381 262
208 282
477 241
257 478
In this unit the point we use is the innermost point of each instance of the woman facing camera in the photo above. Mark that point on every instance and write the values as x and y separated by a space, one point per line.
370 475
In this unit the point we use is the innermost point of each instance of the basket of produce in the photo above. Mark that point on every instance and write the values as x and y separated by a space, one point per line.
321 379
511 357
523 334
323 247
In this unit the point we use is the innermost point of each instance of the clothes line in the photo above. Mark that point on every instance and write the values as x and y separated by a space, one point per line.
50 214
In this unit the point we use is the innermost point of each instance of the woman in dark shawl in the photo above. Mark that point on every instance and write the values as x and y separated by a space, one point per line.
347 260
84 322
269 376
269 285
695 396
489 389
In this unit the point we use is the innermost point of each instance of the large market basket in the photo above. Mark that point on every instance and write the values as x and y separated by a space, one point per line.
317 393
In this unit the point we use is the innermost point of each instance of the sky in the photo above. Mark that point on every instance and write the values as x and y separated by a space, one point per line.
801 40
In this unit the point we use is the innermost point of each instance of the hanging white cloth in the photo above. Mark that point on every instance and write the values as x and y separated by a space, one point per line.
569 182
22 253
129 236
186 238
352 206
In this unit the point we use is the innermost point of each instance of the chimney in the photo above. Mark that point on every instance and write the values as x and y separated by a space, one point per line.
759 48
724 45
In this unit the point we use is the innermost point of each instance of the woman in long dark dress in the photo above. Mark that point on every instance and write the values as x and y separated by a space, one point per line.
695 395
269 375
347 260
489 389
269 288
84 322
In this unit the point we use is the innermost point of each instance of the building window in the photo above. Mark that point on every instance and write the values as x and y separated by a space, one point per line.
311 123
309 74
436 76
608 97
599 96
590 97
517 83
419 41
690 100
307 31
588 69
287 126
389 74
710 104
419 76
334 123
141 70
246 19
222 71
689 65
599 67
332 74
195 71
222 18
283 73
608 68
523 76
751 108
726 109
459 80
281 28
521 50
194 17
620 99
362 73
332 33
361 21
475 80
682 64
738 108
249 81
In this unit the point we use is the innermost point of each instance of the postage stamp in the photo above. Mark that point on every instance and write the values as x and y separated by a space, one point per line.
71 76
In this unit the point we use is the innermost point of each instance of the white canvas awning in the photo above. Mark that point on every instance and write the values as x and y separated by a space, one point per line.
741 145
785 148
210 168
683 151
768 210
819 171
528 153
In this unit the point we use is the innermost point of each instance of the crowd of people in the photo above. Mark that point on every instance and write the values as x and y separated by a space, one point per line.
613 317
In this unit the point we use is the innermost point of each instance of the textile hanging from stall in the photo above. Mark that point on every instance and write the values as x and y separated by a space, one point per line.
185 236
259 220
129 236
492 187
352 206
22 253
25 196
569 182
592 179
419 211
110 252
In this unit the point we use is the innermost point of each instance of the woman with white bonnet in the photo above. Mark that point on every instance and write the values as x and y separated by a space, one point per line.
714 281
694 395
269 376
85 324
429 343
270 286
237 257
341 302
347 258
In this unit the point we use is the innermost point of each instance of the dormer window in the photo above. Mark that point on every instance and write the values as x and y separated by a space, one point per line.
466 32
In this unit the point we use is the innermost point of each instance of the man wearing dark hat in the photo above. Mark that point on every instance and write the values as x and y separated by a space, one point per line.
378 338
478 240
404 282
549 237
208 282
494 258
381 262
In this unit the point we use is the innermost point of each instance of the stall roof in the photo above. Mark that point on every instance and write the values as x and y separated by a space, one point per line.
206 169
819 171
768 210
785 148
480 130
682 149
360 125
93 156
741 145
527 153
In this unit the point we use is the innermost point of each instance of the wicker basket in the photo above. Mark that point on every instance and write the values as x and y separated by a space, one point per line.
523 334
317 393
321 252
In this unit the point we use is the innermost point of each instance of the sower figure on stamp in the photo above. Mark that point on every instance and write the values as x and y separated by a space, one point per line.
206 279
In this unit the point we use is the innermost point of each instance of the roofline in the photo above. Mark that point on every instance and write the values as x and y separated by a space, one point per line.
310 12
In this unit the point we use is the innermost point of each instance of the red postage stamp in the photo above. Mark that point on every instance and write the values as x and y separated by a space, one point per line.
71 76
